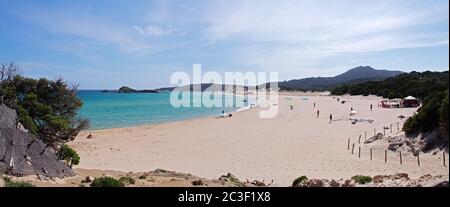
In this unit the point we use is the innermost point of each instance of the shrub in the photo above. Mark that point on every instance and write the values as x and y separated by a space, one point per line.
69 155
10 183
362 179
444 115
106 182
47 108
427 117
128 180
142 177
299 180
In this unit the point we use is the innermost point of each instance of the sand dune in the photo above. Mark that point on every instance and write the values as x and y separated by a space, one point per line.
292 144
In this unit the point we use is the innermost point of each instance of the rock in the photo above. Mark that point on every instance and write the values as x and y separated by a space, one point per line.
374 138
197 183
89 136
229 178
379 178
425 177
442 184
348 183
125 89
394 146
88 179
400 176
334 183
314 183
258 183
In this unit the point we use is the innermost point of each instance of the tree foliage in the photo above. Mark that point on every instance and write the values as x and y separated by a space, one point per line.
427 117
47 108
69 155
431 87
415 84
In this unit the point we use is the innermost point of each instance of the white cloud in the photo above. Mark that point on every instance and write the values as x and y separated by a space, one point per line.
294 35
153 30
84 25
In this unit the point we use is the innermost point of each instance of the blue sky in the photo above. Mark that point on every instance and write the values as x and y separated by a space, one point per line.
110 43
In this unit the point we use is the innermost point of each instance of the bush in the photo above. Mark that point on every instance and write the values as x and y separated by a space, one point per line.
69 155
415 84
444 116
427 117
47 108
128 180
299 180
142 177
106 182
10 183
362 179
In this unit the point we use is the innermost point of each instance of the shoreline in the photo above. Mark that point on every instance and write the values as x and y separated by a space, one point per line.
238 110
293 144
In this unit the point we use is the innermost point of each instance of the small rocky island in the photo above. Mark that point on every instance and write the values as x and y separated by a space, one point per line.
126 89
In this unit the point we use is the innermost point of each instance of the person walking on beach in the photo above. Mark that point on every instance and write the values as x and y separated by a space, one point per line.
318 113
314 105
371 106
351 109
331 118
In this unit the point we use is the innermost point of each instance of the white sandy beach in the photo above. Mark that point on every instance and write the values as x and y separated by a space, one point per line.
281 149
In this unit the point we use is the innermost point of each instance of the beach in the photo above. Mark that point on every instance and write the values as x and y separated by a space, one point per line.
280 149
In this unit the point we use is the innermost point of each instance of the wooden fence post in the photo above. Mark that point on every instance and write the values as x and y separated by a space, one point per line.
365 135
348 144
390 128
359 139
353 147
443 158
385 156
359 152
370 153
418 159
401 160
384 131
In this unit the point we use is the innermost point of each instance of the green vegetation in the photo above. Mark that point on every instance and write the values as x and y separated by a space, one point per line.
431 87
416 84
429 116
299 180
46 108
362 179
107 182
443 119
128 180
10 183
69 155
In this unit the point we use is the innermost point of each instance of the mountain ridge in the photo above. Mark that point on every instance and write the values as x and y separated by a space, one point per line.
358 74
354 75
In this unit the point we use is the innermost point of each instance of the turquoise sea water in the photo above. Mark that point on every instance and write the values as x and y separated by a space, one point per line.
112 110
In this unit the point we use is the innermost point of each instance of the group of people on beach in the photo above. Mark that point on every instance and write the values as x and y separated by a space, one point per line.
331 115
318 113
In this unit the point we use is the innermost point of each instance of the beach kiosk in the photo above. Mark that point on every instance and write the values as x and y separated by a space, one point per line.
410 101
